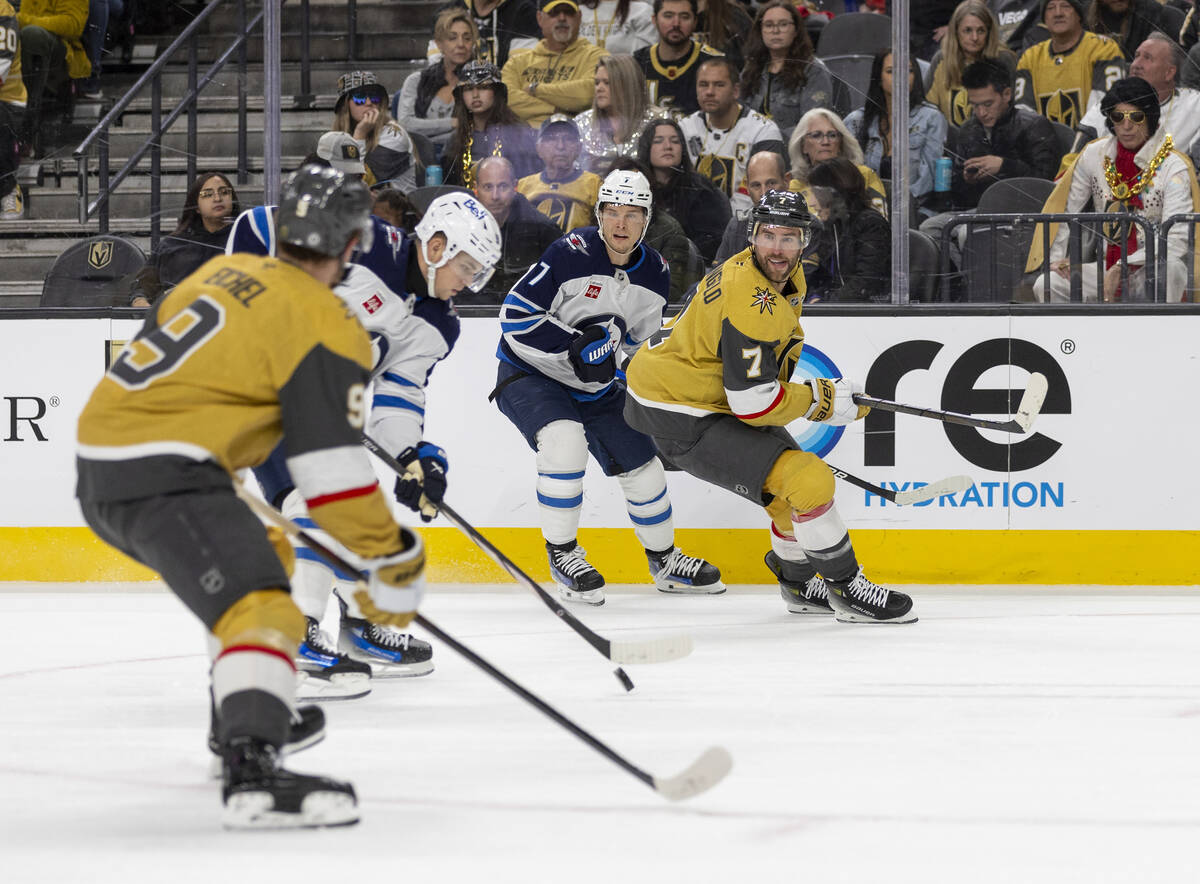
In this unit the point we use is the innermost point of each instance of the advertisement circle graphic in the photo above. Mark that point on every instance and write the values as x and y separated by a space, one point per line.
820 439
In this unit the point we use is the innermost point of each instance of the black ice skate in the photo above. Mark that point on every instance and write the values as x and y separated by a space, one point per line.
860 601
675 572
323 673
577 580
803 594
259 794
307 729
389 652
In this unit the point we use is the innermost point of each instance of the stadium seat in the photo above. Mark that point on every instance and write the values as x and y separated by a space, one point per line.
423 196
1066 136
855 33
851 76
923 261
994 256
95 272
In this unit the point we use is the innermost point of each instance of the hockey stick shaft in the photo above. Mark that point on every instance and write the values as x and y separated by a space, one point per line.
601 644
704 779
947 417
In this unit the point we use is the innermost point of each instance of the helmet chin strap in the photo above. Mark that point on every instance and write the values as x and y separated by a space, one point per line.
431 269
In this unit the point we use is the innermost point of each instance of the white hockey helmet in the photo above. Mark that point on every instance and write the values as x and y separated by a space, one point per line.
468 227
626 187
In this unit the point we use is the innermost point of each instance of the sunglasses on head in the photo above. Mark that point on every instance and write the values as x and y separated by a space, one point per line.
1133 116
366 98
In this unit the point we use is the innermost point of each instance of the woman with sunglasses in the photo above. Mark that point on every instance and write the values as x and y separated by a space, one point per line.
782 78
871 125
821 135
485 126
209 207
1134 170
973 34
362 111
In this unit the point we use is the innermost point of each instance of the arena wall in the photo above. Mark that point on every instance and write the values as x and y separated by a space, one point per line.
1101 492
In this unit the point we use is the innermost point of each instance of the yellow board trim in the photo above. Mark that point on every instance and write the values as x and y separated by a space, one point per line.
934 557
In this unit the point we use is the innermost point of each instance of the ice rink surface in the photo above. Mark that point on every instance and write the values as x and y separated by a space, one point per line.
1013 734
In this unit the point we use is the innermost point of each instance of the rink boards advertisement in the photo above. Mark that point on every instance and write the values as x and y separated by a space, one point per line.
1102 490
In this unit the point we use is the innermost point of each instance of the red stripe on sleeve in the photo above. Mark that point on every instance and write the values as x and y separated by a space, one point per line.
258 649
776 401
348 494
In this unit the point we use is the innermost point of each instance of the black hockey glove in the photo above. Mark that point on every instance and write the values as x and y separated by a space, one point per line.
423 484
593 355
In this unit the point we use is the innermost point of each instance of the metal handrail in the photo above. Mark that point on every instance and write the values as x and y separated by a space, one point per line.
153 77
1075 222
1191 219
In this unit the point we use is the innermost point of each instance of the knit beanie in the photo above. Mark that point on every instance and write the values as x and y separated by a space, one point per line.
1079 6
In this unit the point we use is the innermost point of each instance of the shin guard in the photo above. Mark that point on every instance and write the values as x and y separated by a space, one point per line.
561 461
649 505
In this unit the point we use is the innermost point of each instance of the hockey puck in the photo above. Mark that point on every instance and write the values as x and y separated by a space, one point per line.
623 678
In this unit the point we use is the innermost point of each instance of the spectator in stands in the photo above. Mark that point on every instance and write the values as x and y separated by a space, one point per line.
504 26
1001 140
782 79
524 231
1158 61
1056 76
100 12
556 75
766 171
973 33
666 236
721 136
821 135
362 111
928 22
485 126
561 191
691 199
619 27
51 53
1128 22
425 103
854 247
210 206
611 126
395 208
724 26
670 64
871 126
12 114
1133 170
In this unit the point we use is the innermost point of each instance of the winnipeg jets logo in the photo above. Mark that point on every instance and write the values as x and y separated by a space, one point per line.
764 300
575 241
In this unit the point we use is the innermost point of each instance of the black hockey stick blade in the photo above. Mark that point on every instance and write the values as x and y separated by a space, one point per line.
933 490
1027 411
703 774
660 650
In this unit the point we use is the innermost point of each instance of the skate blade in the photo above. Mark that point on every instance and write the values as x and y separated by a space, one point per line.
346 686
256 810
673 588
382 669
816 610
593 597
856 618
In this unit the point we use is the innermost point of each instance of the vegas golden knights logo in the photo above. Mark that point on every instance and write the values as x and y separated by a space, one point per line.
557 210
1062 107
718 170
960 110
100 254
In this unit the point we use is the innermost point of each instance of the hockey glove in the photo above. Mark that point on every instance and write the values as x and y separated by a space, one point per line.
423 484
790 356
833 401
592 355
395 584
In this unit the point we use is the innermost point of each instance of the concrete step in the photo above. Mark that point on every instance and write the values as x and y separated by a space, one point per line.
34 229
20 292
390 71
31 259
130 200
381 15
386 43
216 140
56 171
314 120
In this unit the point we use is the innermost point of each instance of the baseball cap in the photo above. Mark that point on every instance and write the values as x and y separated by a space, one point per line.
558 120
342 151
554 4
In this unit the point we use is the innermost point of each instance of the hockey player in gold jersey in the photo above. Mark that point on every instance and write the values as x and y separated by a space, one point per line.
714 390
1056 77
245 351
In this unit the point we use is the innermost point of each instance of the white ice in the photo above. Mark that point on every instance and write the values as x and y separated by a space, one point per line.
1013 734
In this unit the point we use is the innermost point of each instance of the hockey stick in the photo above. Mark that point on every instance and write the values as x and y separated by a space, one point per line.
933 490
704 773
660 650
1021 422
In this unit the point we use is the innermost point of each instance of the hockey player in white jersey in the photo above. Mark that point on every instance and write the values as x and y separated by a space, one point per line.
596 291
400 289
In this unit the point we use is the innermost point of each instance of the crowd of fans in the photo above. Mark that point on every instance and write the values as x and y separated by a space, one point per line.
528 103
